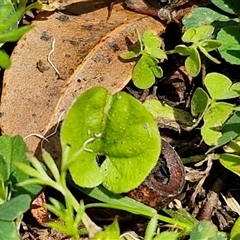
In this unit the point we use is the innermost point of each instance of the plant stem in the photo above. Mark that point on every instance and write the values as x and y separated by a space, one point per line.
140 212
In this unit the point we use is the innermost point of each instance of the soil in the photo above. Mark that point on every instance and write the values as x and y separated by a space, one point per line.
207 181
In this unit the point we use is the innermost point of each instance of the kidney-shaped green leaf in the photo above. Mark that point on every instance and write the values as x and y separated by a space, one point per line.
110 139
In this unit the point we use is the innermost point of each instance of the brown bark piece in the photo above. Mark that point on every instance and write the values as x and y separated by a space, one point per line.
32 89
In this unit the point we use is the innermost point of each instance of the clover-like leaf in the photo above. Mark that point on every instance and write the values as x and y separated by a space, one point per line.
183 50
193 62
135 52
210 44
145 71
229 6
216 84
106 139
232 92
135 49
203 16
203 32
230 48
231 162
199 102
188 35
214 119
152 43
204 230
203 50
231 130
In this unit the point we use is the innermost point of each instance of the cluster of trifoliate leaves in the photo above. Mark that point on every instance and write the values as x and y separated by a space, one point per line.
210 105
10 15
198 38
227 27
148 49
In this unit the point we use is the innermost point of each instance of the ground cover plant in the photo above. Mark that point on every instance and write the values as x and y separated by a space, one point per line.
111 143
11 13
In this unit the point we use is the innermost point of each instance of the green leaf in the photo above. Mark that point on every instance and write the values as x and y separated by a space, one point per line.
133 53
203 50
183 216
210 45
202 32
144 72
235 234
122 202
230 48
15 207
135 49
151 228
152 43
183 50
232 92
233 146
203 16
229 6
5 61
13 149
157 71
117 127
231 162
204 230
214 118
14 35
6 10
8 231
111 232
231 130
199 102
193 63
4 169
165 113
189 35
12 21
216 84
